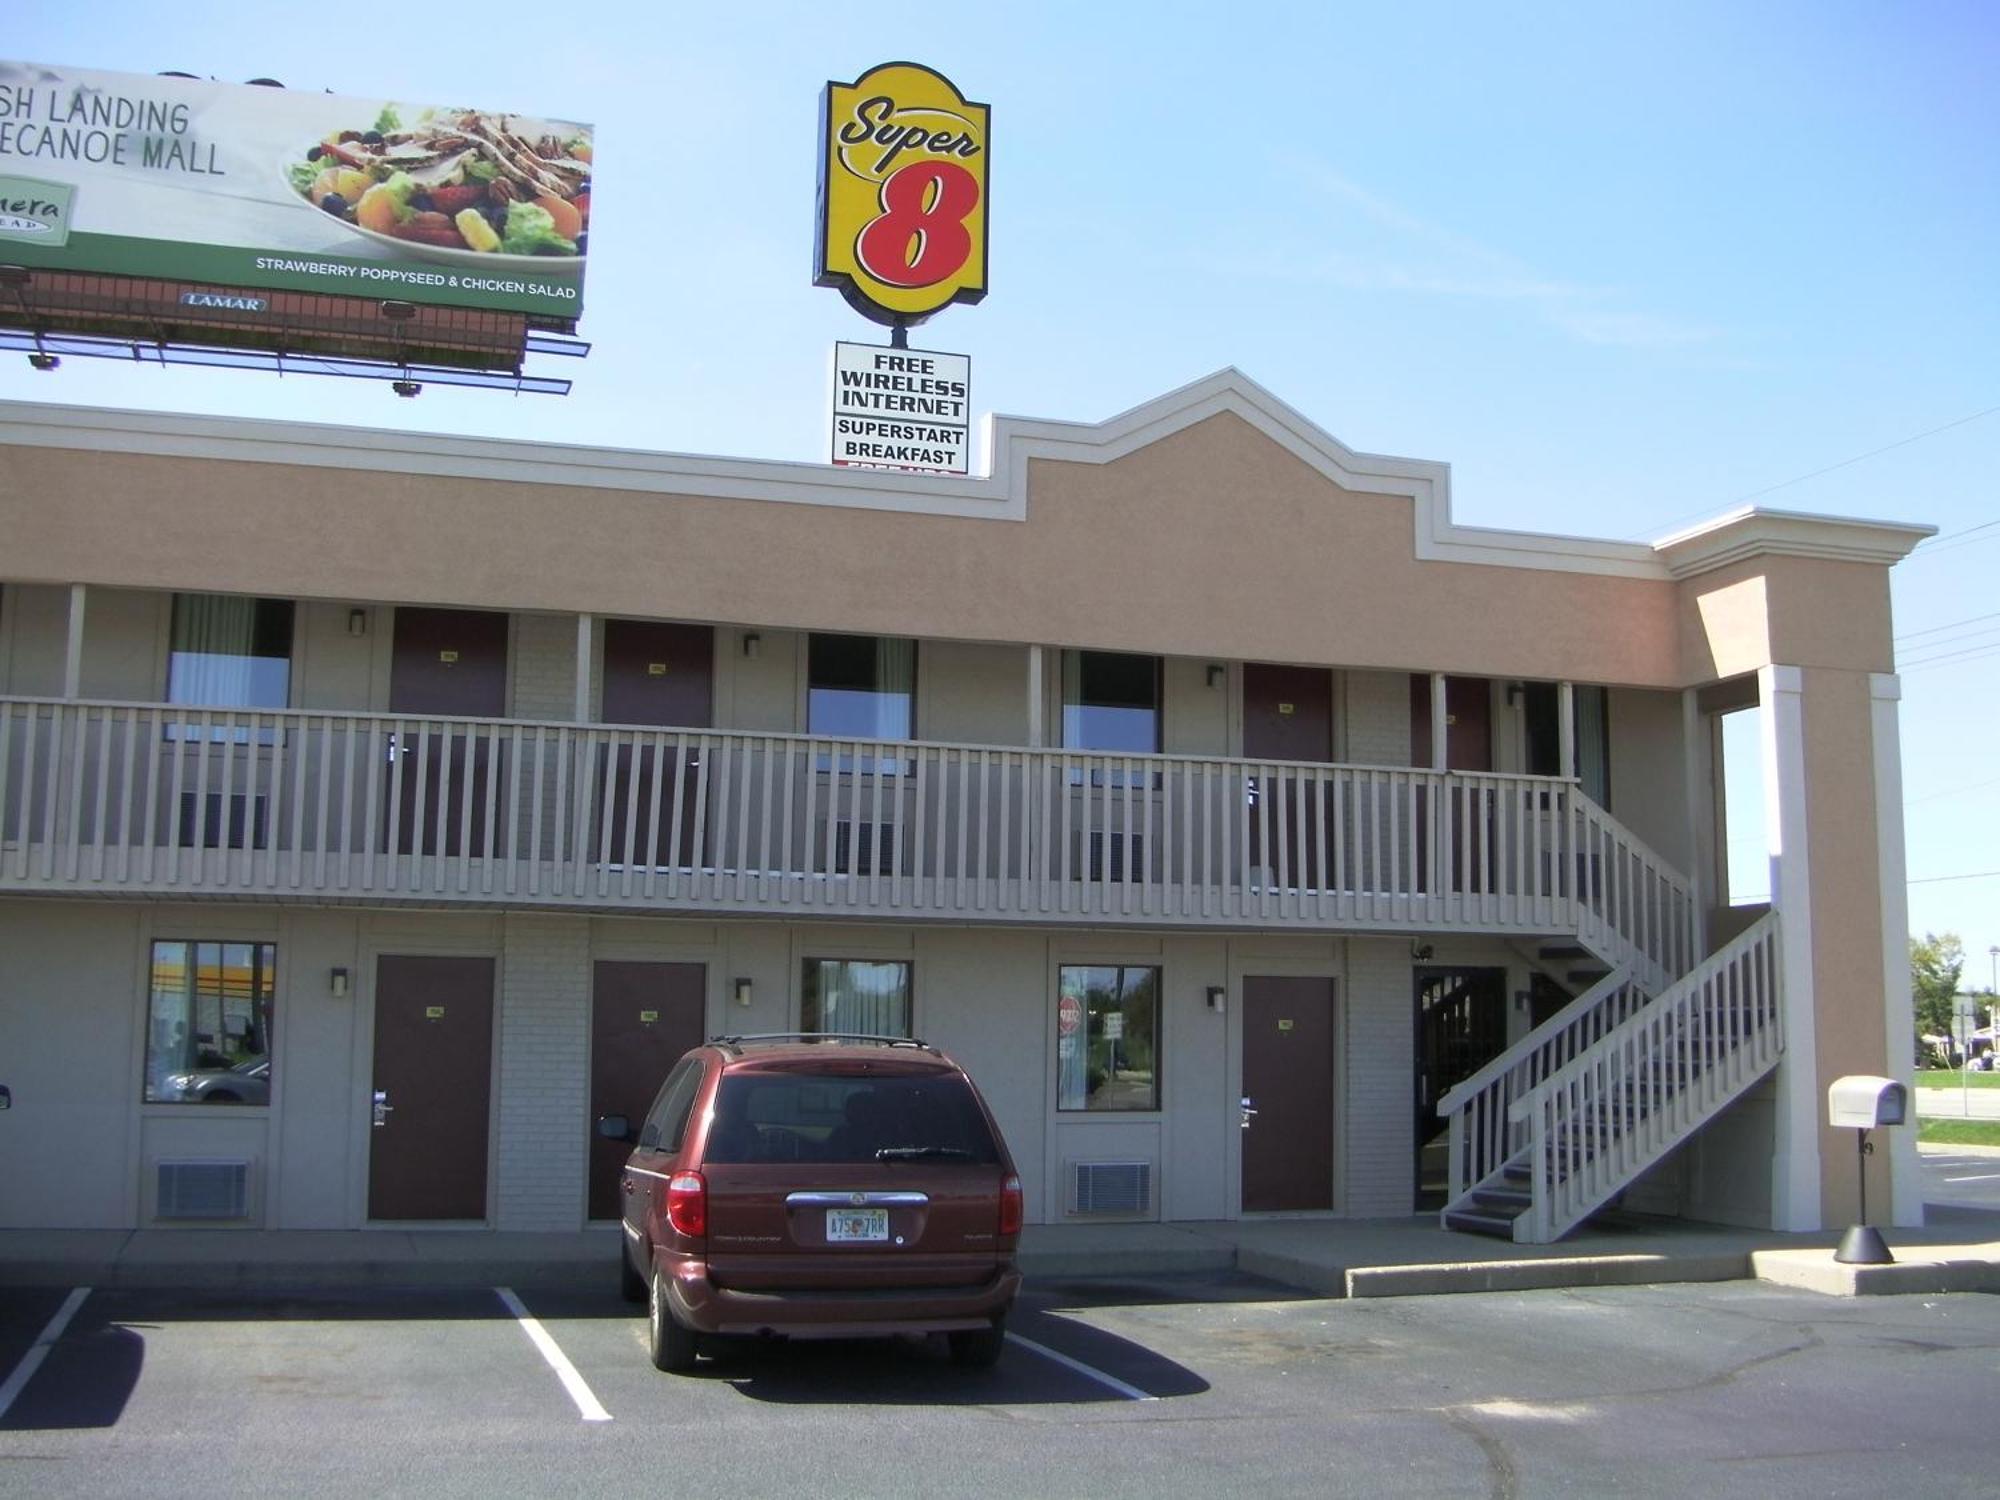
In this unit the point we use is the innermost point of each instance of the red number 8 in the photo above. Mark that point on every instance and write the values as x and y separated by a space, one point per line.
911 244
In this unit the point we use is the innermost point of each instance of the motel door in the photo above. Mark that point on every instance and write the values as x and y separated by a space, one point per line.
1461 1027
643 1016
1288 715
1468 746
453 662
658 674
432 1088
1288 1042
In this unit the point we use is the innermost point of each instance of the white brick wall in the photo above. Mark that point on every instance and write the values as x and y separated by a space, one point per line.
1378 718
1381 1062
544 1072
545 667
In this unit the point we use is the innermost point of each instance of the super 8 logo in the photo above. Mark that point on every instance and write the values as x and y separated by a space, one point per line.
902 193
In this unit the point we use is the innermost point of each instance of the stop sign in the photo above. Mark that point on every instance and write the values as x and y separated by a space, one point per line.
1069 1015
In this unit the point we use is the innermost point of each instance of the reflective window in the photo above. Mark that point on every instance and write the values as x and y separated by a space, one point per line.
844 1117
230 652
1107 1037
1111 701
208 1031
861 686
667 1121
863 997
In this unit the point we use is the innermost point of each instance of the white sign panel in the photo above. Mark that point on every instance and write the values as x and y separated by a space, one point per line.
901 408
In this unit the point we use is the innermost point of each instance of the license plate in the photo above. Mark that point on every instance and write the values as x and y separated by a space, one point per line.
847 1225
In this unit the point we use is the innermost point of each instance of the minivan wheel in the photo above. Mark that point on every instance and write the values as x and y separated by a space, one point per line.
671 1345
631 1285
978 1348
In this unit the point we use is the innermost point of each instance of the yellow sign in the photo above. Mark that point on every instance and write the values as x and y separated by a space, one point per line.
902 194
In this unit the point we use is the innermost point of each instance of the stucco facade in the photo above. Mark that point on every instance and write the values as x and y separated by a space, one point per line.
1214 532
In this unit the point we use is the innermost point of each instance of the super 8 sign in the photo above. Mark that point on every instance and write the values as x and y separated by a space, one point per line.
903 160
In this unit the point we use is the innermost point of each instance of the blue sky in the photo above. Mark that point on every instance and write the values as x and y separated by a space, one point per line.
1621 267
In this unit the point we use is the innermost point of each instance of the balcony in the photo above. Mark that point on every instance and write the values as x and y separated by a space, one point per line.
156 800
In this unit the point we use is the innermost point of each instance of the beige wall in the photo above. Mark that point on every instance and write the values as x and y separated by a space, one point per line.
971 694
1806 612
1649 772
1285 565
34 627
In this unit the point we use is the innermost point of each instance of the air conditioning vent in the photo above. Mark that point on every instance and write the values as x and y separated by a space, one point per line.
1111 1187
1128 856
205 1190
863 848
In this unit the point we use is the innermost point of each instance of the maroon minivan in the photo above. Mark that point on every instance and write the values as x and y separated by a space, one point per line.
819 1186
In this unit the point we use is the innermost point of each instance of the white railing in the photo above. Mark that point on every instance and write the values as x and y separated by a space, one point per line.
156 799
1608 1114
1482 1137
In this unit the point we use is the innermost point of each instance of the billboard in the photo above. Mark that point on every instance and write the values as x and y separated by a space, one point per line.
256 187
903 174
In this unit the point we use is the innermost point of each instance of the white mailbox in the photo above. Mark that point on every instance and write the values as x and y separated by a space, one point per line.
1861 1101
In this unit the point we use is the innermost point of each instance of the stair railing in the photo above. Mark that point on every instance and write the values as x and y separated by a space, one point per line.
1642 1088
1482 1137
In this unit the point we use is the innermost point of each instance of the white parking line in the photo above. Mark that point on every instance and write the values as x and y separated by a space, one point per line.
1982 1177
586 1403
1109 1382
32 1360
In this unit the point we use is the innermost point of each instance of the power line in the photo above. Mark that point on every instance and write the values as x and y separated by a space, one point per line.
1976 786
1934 629
1830 468
1936 879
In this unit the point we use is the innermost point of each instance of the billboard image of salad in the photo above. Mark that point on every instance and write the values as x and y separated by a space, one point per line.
262 187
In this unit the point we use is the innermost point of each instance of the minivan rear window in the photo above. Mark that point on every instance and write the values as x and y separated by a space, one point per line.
807 1117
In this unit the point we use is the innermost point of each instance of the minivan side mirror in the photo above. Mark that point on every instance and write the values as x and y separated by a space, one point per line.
615 1128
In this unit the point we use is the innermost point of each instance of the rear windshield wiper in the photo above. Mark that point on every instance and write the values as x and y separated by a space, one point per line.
922 1153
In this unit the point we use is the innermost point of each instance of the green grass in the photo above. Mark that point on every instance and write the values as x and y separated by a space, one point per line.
1940 1078
1959 1132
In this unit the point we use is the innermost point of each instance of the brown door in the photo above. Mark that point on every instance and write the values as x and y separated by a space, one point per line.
655 673
643 1016
1468 746
452 662
1461 1027
1288 1081
433 1061
1288 715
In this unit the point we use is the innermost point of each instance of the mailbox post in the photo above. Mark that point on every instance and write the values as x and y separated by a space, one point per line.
1862 1102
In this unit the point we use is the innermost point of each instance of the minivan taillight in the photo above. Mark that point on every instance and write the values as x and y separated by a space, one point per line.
687 1204
1010 1205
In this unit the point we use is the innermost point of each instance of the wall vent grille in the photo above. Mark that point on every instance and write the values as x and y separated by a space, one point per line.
203 1190
1111 1187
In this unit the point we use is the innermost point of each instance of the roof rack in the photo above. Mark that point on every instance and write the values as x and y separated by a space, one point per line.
820 1036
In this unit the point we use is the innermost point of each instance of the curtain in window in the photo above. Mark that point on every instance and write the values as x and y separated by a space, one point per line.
1593 744
213 662
872 999
895 686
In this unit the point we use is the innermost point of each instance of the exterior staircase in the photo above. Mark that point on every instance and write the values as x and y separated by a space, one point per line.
1557 1126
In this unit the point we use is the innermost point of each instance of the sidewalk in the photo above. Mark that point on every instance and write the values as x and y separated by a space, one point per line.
1959 1250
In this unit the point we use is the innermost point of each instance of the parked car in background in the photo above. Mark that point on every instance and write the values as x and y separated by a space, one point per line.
819 1186
249 1082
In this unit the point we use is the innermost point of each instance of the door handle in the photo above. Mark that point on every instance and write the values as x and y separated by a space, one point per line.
1249 1113
383 1108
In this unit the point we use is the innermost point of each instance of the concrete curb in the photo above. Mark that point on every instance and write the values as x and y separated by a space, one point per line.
1544 1274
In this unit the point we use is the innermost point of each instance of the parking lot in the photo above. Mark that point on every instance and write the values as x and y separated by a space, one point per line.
1173 1387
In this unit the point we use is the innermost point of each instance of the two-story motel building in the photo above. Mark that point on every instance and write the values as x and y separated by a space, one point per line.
376 809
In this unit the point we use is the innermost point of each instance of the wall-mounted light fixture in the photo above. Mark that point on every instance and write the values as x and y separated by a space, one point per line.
1521 999
1422 952
357 621
337 983
1216 996
1217 674
742 993
1514 692
752 643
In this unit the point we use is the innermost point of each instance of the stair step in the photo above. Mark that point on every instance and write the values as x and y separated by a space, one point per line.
1564 950
1468 1221
1509 1201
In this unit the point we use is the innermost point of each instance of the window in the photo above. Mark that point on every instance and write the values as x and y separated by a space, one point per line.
667 1122
860 996
860 686
1739 741
1111 702
844 1117
1542 717
230 652
1107 1037
208 1028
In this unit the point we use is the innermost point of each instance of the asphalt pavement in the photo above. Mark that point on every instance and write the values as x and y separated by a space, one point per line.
1168 1387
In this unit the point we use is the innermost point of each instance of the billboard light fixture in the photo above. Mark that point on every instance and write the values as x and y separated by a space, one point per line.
13 275
397 311
44 362
406 387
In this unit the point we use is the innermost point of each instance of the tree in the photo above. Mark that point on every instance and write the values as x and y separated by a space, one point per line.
1936 963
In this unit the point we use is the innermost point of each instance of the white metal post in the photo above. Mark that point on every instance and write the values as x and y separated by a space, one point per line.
73 651
1795 1168
585 626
